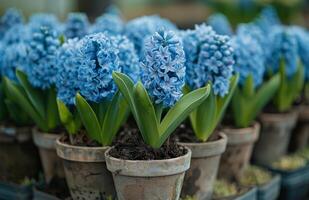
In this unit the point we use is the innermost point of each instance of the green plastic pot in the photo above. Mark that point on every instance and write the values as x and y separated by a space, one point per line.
270 190
294 184
10 191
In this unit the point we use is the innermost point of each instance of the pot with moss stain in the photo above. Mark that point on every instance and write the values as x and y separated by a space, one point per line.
85 171
148 179
274 137
200 177
52 165
19 157
300 136
238 152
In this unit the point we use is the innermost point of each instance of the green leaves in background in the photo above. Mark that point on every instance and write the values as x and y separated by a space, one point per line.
155 130
3 109
101 121
70 120
248 103
208 115
289 88
40 105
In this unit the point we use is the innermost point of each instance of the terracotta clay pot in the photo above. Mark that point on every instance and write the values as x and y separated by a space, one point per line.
274 137
300 136
85 171
200 177
52 165
148 179
238 152
19 157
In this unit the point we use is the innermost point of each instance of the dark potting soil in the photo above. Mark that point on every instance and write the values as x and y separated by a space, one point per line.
185 134
79 139
129 145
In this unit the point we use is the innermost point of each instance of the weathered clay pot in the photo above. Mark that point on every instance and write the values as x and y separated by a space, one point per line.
274 137
86 172
148 179
300 136
19 157
52 165
200 177
238 152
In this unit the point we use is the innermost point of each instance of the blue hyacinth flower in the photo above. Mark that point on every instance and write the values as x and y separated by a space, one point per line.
10 18
112 24
163 69
43 48
138 29
249 59
76 25
220 24
209 58
97 57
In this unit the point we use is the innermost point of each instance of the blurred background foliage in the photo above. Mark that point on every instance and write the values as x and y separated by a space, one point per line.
185 13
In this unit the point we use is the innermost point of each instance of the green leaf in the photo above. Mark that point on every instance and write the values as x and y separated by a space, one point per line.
248 88
34 95
3 109
52 115
205 117
264 94
18 95
146 115
126 86
223 103
88 118
108 130
69 121
180 111
19 118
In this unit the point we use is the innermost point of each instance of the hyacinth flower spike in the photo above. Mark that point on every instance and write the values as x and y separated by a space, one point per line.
209 60
163 74
252 93
87 93
36 93
285 60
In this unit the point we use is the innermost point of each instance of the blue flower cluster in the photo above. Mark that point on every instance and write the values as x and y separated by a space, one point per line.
249 59
137 30
39 20
163 69
220 24
43 47
112 24
67 72
302 36
11 18
128 59
268 19
97 57
14 55
284 47
76 25
209 58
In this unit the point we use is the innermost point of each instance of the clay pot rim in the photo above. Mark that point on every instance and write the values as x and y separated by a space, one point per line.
44 139
80 153
240 135
279 117
207 149
148 168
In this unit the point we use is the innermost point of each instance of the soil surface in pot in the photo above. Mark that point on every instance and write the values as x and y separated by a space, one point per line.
185 134
129 145
79 139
